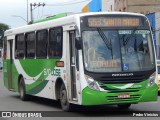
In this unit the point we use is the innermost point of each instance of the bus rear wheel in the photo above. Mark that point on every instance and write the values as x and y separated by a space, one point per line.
66 106
124 106
22 90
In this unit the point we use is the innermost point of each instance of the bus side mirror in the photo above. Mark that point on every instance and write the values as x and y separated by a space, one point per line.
77 43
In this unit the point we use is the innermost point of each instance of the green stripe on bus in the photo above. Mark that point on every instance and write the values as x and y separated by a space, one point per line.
38 88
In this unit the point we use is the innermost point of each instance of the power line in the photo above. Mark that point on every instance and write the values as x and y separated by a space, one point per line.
35 5
71 3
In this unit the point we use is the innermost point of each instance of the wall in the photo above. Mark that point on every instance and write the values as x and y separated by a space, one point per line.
139 6
121 5
108 5
85 9
93 6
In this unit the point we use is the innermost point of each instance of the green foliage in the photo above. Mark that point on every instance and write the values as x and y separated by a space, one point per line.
3 27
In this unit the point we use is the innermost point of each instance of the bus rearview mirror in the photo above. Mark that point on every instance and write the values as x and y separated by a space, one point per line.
77 43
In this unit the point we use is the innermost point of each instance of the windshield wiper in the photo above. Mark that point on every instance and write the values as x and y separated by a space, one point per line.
105 39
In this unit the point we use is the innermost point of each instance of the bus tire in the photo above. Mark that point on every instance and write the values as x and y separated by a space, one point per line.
22 90
66 106
124 106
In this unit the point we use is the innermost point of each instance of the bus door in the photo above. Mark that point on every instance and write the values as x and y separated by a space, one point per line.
73 64
10 63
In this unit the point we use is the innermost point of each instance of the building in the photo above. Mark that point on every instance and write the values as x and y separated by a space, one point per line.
120 5
137 6
108 5
93 6
99 5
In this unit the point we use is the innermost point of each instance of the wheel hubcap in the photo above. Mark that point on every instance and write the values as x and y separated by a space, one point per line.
64 97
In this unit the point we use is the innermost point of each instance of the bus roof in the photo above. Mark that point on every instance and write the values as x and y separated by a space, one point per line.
62 21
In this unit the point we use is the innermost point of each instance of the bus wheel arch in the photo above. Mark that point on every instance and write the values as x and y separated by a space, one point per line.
62 96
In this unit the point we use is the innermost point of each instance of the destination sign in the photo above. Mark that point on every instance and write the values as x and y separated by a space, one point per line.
114 22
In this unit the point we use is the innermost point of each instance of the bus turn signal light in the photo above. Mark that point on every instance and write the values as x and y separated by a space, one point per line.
59 64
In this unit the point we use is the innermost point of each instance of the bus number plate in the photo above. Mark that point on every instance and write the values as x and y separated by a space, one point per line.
124 96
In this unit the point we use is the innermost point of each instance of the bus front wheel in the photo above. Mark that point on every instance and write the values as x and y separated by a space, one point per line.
124 106
22 90
66 106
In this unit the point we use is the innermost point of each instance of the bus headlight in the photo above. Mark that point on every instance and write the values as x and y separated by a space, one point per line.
151 80
92 84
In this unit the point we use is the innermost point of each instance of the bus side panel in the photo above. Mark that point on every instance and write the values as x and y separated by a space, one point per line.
5 76
35 74
15 76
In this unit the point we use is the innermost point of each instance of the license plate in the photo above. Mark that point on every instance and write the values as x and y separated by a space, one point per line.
124 96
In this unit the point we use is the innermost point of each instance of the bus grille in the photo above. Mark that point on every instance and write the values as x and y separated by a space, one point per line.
113 99
114 80
118 90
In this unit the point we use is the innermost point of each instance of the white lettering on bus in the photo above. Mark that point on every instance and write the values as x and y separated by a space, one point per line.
54 72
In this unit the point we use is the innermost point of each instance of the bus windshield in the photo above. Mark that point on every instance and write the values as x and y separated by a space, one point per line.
117 50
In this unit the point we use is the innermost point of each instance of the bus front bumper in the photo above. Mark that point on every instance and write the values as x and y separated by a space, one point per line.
92 97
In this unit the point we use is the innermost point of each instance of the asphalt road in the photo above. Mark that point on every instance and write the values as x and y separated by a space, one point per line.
10 101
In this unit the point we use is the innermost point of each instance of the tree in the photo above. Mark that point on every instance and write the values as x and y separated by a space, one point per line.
3 27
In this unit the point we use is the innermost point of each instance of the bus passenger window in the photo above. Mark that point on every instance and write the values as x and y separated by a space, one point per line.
42 37
19 46
30 45
55 42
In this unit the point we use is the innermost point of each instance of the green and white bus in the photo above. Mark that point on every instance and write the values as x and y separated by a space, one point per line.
85 59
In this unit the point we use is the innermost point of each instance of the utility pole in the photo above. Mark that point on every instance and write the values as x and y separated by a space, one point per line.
31 12
34 6
27 11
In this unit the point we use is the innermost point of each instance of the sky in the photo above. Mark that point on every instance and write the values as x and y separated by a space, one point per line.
11 8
